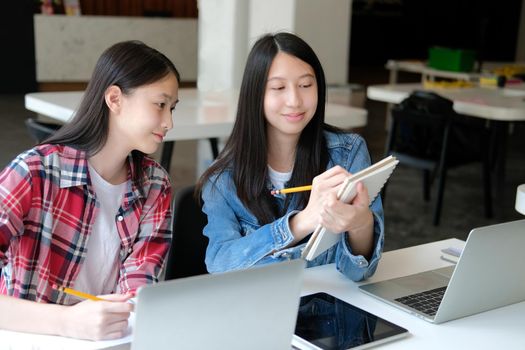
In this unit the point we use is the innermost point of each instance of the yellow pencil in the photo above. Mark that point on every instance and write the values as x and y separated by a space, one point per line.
77 293
292 190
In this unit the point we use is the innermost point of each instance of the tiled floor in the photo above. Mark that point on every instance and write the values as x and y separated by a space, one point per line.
407 217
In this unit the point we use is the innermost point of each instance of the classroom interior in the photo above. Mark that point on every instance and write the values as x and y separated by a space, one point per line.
380 31
373 33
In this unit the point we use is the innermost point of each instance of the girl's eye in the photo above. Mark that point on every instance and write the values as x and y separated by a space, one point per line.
306 85
277 87
161 105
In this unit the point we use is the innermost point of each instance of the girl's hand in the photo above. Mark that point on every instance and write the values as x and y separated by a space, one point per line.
97 320
338 216
323 185
355 218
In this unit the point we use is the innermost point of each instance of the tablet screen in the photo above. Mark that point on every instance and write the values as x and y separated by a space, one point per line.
330 323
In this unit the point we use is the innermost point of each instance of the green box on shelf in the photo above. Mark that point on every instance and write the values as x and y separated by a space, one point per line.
455 60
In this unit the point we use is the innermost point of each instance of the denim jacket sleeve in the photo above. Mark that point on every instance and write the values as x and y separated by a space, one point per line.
356 267
238 243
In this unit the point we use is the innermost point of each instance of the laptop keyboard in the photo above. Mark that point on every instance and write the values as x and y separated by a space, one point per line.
427 302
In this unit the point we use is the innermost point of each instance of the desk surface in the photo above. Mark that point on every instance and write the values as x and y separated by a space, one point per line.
507 104
501 326
422 68
199 115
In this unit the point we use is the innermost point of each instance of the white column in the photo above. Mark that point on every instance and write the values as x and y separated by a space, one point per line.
228 29
222 52
222 43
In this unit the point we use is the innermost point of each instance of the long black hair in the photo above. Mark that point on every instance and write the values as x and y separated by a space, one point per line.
246 151
128 65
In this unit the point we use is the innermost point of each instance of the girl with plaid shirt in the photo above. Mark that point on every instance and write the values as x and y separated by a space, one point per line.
87 209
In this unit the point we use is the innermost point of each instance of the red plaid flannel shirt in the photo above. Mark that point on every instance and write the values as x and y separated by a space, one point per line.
47 210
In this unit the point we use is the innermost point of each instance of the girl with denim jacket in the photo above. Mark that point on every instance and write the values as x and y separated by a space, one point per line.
280 140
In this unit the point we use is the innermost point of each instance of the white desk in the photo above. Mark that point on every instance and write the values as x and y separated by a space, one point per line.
199 115
420 67
496 104
501 326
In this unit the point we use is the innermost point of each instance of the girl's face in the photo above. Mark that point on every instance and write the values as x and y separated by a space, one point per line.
145 115
290 98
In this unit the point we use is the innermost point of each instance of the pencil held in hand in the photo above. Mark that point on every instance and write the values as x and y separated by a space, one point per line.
77 293
291 190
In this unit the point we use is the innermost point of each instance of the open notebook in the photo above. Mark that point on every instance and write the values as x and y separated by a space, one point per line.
373 177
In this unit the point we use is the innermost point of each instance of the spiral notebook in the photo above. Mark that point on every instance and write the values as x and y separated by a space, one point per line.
373 177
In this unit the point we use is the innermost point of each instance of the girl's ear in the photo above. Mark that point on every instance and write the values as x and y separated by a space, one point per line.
113 97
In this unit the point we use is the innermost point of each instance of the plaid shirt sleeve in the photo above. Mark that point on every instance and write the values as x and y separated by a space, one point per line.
150 247
15 200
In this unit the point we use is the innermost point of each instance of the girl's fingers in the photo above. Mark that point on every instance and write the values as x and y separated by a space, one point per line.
115 306
331 182
362 198
119 326
114 335
335 170
117 297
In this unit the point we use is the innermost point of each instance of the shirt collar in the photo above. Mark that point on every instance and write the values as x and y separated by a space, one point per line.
73 167
74 171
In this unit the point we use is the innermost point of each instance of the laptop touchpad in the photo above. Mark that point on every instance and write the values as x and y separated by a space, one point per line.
446 271
423 281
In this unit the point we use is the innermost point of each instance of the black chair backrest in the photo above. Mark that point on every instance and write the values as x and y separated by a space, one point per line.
40 131
419 122
188 248
425 108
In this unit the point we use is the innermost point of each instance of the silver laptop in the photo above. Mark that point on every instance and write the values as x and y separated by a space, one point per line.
490 273
249 309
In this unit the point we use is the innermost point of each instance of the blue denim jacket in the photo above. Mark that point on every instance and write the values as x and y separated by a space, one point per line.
237 241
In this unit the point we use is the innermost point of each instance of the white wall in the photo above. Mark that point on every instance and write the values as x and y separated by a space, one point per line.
67 47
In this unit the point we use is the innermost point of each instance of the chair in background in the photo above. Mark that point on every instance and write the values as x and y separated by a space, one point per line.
168 146
426 133
40 131
188 248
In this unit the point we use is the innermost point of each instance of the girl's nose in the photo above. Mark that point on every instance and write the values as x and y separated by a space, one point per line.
294 98
167 122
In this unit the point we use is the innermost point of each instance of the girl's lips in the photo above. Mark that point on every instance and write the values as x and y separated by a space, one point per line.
160 136
294 116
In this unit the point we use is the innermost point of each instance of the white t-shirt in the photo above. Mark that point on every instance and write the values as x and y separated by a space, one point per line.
278 179
100 269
